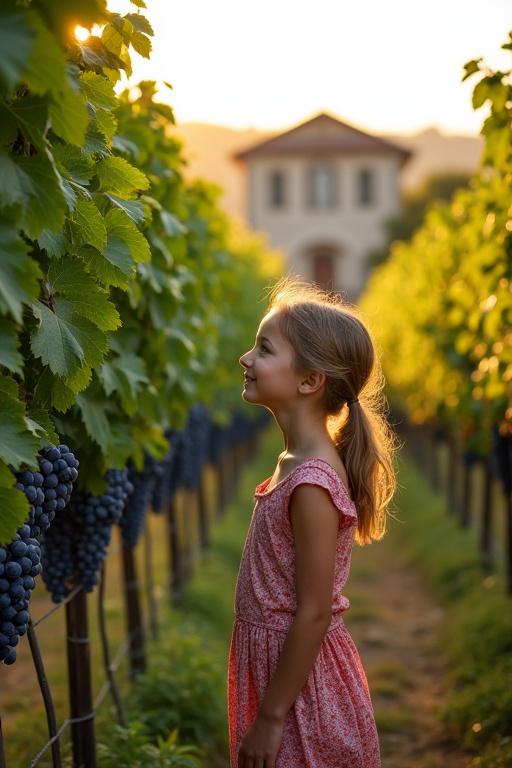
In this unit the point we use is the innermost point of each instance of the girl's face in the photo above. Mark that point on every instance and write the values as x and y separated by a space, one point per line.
269 376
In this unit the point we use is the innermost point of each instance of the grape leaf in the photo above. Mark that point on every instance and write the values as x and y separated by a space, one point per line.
106 122
9 355
16 41
80 379
142 44
64 340
19 274
9 387
133 208
14 505
98 90
171 224
68 114
30 114
45 69
121 228
94 54
88 226
69 278
140 23
56 244
105 270
33 183
17 444
125 375
95 420
42 421
115 174
73 163
62 397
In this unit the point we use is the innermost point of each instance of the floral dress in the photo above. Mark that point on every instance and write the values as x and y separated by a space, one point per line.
331 723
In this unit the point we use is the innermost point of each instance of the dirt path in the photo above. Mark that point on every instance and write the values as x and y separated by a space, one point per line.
393 620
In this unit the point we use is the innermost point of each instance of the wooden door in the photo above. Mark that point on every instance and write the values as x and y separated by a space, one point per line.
323 270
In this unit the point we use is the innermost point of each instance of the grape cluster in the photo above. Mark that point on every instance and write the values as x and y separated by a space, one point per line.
196 450
48 491
166 472
134 515
20 563
74 549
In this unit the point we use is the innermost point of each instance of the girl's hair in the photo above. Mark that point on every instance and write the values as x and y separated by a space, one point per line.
327 335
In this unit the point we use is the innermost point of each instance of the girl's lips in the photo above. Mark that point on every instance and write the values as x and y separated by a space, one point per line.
248 378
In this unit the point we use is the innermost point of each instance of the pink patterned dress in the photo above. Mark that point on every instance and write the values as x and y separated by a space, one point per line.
331 723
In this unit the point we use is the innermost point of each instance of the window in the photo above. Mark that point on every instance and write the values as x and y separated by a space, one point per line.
322 186
277 189
366 193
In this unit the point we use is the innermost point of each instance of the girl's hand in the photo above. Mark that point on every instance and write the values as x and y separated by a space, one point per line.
260 744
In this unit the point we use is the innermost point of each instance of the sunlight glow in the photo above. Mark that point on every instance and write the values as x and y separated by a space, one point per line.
81 33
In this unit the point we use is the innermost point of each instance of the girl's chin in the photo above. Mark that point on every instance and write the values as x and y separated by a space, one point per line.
248 395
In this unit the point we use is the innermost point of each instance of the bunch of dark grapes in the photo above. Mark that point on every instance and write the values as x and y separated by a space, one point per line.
216 442
134 515
20 563
166 472
47 491
195 446
75 547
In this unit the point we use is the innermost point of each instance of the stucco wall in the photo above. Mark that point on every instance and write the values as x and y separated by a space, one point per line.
353 228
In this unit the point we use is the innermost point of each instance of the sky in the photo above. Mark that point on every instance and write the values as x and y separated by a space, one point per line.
382 65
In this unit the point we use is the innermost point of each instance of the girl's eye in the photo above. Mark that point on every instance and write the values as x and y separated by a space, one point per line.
262 346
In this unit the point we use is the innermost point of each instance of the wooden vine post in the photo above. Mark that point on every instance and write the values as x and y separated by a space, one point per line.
134 624
80 685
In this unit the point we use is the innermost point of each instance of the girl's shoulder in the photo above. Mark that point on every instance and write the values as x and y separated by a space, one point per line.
315 470
320 471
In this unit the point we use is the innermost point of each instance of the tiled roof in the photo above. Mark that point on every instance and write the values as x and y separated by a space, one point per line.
319 135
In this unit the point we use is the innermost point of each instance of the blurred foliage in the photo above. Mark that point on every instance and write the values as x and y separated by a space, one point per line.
435 188
132 746
441 306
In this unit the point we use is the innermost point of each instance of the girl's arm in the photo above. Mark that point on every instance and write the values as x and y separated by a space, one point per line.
315 522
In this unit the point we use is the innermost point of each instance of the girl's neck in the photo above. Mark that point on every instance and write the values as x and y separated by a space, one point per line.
303 437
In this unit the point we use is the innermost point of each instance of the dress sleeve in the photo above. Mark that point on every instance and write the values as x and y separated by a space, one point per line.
327 478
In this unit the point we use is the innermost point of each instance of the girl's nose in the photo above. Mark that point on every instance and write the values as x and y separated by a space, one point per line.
242 362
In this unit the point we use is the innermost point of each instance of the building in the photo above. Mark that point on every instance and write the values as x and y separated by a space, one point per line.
321 192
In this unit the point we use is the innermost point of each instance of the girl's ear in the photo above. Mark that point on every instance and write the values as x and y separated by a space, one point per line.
312 382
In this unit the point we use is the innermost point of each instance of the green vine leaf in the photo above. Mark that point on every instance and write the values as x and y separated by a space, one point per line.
10 357
64 340
19 274
33 184
16 42
124 238
116 175
17 443
88 226
14 505
88 299
95 420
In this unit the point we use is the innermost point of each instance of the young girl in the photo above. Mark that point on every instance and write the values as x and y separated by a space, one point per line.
298 696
